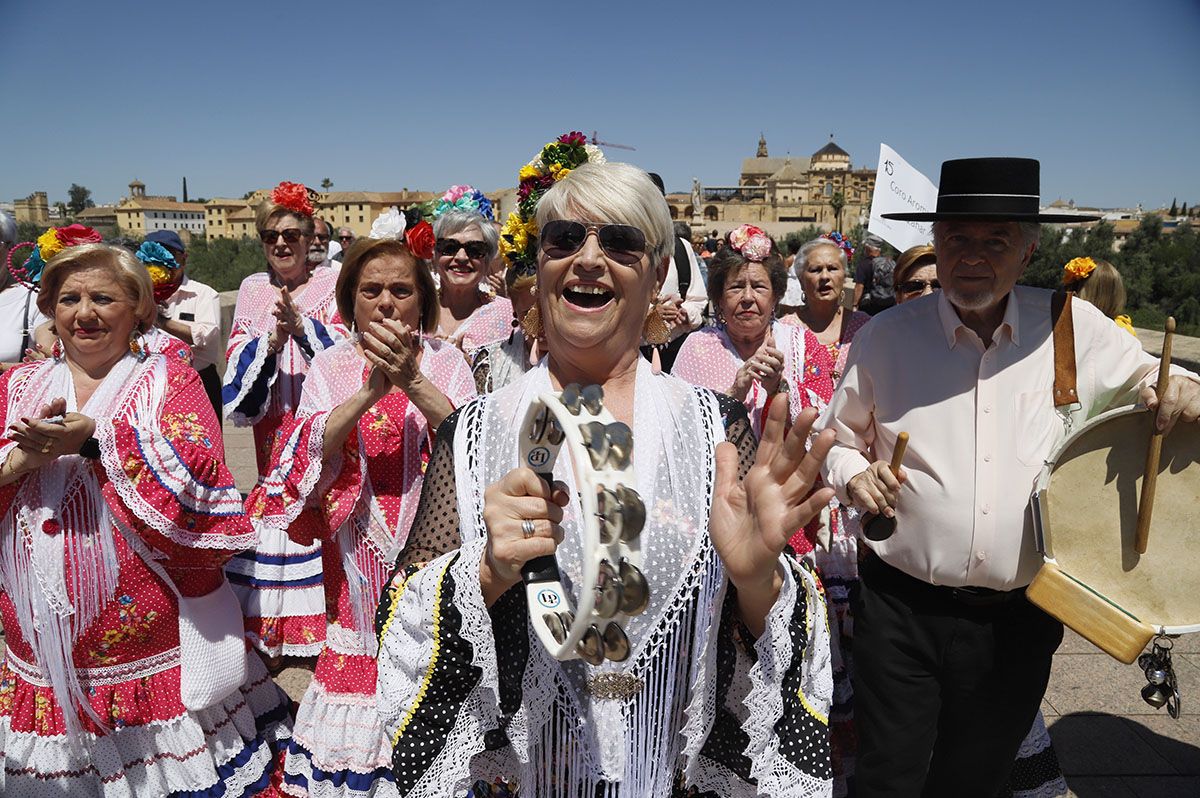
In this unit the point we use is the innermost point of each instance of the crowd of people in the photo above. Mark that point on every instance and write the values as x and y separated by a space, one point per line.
146 602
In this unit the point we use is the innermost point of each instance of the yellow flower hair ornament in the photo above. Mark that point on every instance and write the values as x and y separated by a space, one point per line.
1077 269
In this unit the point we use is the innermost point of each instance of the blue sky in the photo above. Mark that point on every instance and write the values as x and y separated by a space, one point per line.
382 96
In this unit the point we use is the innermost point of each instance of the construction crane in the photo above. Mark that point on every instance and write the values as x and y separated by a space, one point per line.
596 140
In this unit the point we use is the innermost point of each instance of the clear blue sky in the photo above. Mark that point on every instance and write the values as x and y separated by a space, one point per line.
380 96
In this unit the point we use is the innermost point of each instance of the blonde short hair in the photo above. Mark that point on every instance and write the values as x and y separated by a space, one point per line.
612 192
1103 288
127 271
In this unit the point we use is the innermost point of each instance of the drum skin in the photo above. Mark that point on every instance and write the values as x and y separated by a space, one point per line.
1089 501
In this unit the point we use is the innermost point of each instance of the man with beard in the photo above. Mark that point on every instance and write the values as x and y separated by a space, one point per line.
318 250
950 659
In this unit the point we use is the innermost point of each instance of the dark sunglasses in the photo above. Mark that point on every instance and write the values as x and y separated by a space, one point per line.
345 238
324 239
449 246
290 235
914 286
623 243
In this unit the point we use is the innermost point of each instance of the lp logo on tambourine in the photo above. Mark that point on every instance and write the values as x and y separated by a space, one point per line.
548 599
539 457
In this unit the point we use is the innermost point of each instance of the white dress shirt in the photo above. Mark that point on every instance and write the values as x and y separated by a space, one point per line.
697 296
198 306
981 422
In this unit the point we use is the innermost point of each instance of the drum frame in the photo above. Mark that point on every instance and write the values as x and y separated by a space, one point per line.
1041 522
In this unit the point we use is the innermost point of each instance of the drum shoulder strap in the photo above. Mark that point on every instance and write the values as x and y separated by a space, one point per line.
1065 393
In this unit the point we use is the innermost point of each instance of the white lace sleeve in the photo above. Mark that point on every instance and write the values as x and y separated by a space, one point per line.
438 688
758 721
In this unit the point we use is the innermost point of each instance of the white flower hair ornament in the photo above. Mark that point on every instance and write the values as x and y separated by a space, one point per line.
389 224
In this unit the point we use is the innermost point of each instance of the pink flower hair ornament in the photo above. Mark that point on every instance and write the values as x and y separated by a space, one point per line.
750 242
293 196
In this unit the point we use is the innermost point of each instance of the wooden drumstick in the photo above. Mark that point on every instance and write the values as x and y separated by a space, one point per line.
898 454
1150 476
880 527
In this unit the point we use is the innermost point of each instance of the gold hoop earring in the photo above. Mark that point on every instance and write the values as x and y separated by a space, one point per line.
532 323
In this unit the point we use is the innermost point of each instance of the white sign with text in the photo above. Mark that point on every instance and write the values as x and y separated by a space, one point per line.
899 188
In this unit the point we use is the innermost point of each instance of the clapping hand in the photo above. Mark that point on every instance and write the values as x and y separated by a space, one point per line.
52 433
288 321
751 521
390 347
765 365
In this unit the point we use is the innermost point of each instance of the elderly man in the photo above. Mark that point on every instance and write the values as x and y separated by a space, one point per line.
345 237
951 660
318 250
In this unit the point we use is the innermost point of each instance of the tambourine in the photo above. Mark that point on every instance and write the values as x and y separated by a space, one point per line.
612 586
1085 513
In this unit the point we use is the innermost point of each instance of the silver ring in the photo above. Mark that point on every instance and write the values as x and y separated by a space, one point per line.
527 528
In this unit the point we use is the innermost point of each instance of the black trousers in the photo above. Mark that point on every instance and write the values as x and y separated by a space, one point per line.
212 386
945 689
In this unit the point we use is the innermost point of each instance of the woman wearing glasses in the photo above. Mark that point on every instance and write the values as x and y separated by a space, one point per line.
350 473
821 266
284 317
727 674
916 273
469 315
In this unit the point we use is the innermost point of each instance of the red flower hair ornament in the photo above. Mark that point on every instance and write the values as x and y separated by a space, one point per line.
294 197
420 240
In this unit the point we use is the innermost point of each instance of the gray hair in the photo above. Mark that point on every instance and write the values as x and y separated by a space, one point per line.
612 192
8 229
801 262
452 222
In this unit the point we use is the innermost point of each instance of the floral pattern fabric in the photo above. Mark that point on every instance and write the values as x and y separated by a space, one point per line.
168 498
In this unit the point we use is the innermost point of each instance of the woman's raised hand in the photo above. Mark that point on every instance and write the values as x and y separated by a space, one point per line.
391 347
751 521
522 513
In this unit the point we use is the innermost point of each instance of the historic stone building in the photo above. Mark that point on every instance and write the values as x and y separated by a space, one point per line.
785 194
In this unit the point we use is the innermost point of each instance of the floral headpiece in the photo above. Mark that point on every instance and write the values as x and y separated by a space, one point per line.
519 235
843 244
164 269
1077 269
750 242
49 244
416 233
295 197
464 198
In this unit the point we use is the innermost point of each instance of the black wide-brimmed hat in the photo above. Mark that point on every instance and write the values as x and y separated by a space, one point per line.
992 189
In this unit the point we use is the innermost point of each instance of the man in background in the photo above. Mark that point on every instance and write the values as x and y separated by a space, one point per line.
193 315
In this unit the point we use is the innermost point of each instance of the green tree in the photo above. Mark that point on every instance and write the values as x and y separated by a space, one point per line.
326 183
80 198
837 202
224 262
1174 207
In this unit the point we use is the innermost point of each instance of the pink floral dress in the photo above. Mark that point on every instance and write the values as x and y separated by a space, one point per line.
360 505
279 581
92 554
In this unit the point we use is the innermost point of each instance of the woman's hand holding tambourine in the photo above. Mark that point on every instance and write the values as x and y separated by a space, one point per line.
522 514
751 521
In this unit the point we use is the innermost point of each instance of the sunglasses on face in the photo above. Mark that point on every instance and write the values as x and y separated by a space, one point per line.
345 238
623 243
324 239
290 235
916 286
449 247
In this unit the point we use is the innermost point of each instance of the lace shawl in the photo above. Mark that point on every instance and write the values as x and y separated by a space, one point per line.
558 737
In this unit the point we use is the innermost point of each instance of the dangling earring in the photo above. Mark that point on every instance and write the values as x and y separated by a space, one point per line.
56 350
532 323
136 345
654 329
